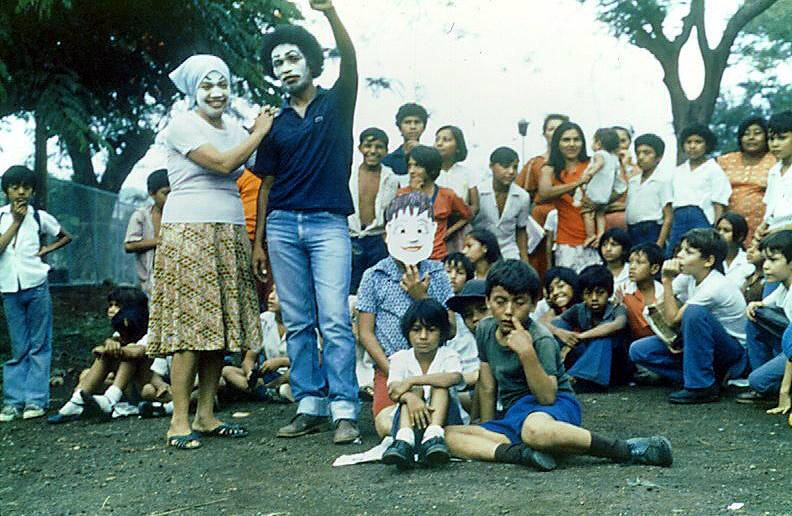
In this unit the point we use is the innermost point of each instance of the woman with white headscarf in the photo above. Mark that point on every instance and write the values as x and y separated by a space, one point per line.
204 300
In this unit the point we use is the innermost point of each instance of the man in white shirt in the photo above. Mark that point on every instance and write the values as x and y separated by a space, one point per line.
712 320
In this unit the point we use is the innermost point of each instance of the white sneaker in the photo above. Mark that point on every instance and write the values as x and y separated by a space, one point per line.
9 413
32 412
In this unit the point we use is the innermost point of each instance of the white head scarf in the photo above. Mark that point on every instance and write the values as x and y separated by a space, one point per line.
194 69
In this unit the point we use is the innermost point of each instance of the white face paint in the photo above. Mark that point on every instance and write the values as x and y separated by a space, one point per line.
290 67
212 94
410 237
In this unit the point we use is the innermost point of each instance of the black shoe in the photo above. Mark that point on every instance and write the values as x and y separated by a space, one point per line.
58 418
753 397
304 424
692 396
434 452
650 451
537 459
399 454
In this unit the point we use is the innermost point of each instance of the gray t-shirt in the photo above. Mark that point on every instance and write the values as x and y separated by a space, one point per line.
506 366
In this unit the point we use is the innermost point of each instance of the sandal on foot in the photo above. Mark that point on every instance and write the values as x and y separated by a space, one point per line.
231 430
190 441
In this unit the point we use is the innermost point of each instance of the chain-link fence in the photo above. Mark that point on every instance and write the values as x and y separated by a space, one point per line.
97 220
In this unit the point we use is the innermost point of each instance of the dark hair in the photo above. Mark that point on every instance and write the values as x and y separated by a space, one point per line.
414 202
652 251
488 239
459 138
557 160
157 180
621 237
651 140
779 242
738 224
515 276
295 35
625 129
428 158
748 122
608 138
458 258
503 156
18 175
708 242
553 116
131 322
428 312
376 133
595 276
568 276
127 297
780 122
710 140
411 109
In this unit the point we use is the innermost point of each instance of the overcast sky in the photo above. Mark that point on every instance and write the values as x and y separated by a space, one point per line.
483 66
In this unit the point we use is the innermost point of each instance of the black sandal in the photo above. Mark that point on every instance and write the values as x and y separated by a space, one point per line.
191 441
230 430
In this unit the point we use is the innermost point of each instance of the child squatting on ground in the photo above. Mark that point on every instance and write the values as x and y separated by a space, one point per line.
423 381
26 297
520 361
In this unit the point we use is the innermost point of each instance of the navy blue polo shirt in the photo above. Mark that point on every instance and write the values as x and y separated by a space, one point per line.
311 157
397 161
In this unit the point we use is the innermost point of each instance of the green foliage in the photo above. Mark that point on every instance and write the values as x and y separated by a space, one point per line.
629 18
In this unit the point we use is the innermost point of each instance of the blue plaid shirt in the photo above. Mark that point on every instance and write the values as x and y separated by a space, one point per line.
381 294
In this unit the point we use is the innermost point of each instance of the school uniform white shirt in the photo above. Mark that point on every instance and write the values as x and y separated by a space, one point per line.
721 296
388 185
460 179
739 269
781 297
702 187
646 198
464 343
516 214
778 197
20 268
403 365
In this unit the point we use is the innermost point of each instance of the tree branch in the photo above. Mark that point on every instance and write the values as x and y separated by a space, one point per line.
747 12
135 144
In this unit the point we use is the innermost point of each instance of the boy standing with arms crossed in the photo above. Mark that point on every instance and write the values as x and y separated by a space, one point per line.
26 297
520 361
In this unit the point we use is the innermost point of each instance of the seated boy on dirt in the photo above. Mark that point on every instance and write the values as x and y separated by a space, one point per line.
521 367
123 354
422 381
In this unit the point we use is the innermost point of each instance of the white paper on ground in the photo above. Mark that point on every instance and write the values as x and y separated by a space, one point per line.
372 455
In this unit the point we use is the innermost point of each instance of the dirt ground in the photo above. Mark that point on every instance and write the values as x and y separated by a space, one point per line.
724 454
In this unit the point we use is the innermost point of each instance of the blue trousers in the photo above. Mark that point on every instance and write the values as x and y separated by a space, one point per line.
685 219
766 359
310 257
709 352
602 361
646 232
26 375
366 252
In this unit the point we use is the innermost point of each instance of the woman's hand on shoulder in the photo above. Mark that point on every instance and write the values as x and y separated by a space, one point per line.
265 119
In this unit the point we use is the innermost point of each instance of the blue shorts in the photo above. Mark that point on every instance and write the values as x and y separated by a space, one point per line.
565 409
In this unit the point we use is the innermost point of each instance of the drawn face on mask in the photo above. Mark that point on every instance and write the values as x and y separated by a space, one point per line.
410 236
212 94
290 67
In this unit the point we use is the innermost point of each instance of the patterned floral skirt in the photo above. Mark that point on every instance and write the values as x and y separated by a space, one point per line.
204 296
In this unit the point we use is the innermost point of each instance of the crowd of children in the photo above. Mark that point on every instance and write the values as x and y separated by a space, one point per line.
470 350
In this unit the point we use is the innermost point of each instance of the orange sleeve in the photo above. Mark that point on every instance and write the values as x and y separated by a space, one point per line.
459 206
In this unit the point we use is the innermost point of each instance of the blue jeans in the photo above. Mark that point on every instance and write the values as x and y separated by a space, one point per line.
602 361
646 232
310 259
685 219
26 375
709 352
366 252
766 359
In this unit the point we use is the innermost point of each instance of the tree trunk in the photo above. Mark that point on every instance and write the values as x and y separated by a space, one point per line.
40 162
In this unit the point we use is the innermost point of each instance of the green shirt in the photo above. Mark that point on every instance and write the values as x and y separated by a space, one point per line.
506 366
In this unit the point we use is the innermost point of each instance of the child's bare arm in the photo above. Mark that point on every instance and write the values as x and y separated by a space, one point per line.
665 229
133 351
369 341
470 377
249 362
440 380
542 385
18 212
521 237
784 403
485 391
62 239
604 329
276 363
141 246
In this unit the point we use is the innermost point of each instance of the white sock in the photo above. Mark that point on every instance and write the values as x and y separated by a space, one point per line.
407 435
168 408
433 431
74 406
108 400
113 394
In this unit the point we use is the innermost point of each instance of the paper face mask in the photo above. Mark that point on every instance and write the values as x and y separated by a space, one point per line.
410 236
